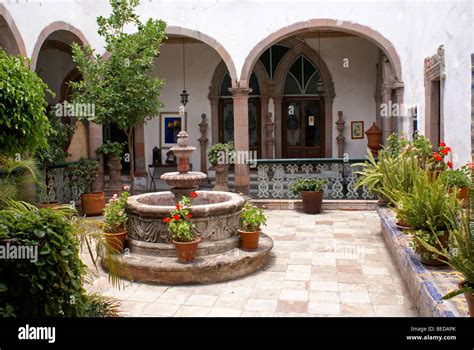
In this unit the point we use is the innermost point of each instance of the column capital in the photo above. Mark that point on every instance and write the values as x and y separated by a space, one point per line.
239 92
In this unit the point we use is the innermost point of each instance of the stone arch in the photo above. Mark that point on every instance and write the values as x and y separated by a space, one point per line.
324 24
15 44
329 93
223 53
76 34
214 87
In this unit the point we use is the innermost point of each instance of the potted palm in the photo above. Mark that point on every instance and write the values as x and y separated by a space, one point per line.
460 257
251 220
311 190
218 155
113 151
459 180
115 219
85 174
181 229
370 176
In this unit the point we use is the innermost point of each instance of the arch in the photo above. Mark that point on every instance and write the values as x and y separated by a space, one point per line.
77 36
17 44
324 24
223 53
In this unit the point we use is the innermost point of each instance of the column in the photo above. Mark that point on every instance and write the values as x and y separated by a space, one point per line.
95 140
328 134
263 119
139 144
399 89
214 118
240 98
203 143
277 102
387 120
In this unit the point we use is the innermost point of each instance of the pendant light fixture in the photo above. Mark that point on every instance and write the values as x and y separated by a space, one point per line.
184 95
319 83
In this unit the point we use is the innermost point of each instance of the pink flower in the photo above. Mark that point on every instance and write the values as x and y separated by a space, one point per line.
115 196
120 213
126 188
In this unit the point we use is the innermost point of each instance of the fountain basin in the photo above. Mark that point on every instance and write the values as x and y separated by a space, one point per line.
183 180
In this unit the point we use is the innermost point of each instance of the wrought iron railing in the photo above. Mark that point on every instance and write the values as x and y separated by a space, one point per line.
275 177
60 183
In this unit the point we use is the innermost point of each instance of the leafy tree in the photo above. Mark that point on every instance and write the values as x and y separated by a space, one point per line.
24 126
121 86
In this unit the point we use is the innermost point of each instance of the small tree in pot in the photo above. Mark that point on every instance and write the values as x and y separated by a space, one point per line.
84 176
114 152
115 219
311 190
251 220
181 229
219 155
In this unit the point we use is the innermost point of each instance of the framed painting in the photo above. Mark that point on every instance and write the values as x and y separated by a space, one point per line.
171 123
357 130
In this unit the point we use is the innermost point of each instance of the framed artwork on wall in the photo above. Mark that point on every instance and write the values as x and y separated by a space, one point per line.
171 123
357 130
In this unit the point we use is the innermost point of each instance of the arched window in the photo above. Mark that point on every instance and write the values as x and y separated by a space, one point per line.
272 57
302 78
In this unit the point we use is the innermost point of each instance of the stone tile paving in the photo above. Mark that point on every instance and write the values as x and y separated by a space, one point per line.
332 264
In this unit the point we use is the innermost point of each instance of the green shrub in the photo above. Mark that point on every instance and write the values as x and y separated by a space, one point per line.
85 174
24 126
219 152
307 184
252 218
109 148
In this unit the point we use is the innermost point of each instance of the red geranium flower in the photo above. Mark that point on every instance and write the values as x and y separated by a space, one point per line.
189 216
437 156
193 194
166 220
178 206
442 144
450 164
445 151
176 217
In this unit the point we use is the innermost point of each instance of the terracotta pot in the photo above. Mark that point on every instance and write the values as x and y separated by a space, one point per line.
51 205
116 241
312 201
470 300
186 251
463 196
444 239
374 139
93 203
249 240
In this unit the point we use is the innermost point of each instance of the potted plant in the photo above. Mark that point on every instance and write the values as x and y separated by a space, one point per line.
181 229
370 176
114 152
218 155
85 174
460 257
311 192
426 209
115 219
251 219
438 164
459 180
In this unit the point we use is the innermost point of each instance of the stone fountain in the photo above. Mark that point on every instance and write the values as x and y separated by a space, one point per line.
151 256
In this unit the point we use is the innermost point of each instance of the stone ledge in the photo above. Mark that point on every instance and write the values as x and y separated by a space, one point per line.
426 285
328 204
209 269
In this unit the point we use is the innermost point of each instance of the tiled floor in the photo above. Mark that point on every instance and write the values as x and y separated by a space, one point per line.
332 264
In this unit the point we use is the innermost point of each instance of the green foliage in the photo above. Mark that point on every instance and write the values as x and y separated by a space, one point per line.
219 152
85 174
96 305
122 87
58 139
252 218
395 145
51 286
24 126
370 174
307 184
114 213
460 177
109 148
179 222
18 179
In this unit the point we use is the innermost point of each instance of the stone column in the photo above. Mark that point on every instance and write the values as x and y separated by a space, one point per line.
328 135
214 118
399 89
203 140
387 120
340 137
263 119
240 98
95 140
269 140
277 101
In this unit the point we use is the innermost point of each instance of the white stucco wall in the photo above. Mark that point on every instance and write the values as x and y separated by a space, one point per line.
415 29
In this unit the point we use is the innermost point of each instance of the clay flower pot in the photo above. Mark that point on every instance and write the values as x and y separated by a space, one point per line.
186 251
444 239
312 201
463 196
116 241
249 240
93 203
470 300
